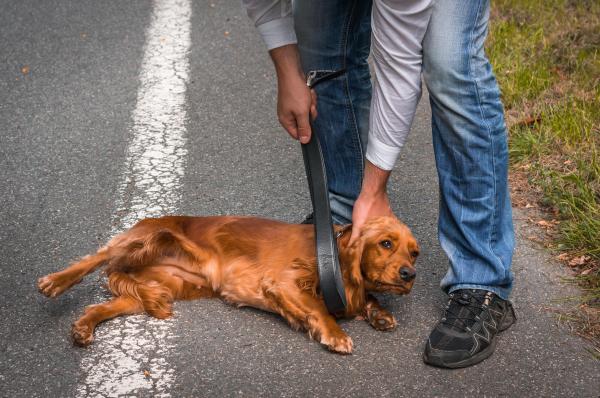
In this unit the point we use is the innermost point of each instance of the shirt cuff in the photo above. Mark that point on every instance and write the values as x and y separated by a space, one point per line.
382 155
278 32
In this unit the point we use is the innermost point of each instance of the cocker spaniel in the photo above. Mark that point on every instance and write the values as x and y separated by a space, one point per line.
246 261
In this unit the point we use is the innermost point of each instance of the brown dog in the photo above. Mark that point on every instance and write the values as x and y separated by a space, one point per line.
246 261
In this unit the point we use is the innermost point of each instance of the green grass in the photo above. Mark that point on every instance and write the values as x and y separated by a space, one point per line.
546 55
576 196
523 75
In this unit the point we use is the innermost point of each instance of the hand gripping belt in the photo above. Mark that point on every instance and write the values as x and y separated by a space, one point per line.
330 276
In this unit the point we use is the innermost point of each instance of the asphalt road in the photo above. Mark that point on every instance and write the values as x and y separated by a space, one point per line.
65 126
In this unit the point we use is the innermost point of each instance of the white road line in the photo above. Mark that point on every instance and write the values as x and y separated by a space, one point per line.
150 186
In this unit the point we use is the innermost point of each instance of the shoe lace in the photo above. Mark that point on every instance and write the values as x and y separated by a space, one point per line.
464 309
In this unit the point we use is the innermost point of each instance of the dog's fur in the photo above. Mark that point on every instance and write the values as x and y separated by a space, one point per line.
247 262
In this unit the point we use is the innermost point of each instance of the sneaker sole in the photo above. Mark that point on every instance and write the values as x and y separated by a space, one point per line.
475 359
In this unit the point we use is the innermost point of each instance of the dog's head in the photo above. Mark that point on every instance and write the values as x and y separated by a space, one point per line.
383 257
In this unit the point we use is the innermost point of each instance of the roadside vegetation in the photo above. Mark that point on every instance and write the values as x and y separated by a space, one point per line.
546 55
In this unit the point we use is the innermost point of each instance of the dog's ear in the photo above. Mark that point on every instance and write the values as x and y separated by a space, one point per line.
352 256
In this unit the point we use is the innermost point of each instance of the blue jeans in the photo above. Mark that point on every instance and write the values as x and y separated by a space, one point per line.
469 135
333 35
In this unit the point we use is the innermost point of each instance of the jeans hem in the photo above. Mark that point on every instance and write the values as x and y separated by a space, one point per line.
502 292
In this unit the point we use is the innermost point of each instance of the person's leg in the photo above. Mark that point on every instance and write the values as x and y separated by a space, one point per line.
475 222
335 34
469 136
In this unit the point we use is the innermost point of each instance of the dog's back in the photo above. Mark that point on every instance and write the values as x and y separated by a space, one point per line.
161 260
246 261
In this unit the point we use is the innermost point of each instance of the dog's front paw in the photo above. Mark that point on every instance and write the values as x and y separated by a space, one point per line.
382 320
341 344
82 334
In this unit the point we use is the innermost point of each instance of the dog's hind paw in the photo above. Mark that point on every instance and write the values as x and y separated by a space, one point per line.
52 285
82 335
340 344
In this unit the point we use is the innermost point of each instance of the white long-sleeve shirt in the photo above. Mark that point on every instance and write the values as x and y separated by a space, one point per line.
398 29
274 21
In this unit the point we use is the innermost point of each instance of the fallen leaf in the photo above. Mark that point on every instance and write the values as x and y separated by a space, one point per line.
535 239
146 373
579 261
529 121
587 271
25 70
226 33
562 257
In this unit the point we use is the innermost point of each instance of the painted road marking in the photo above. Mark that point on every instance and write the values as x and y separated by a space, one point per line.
128 357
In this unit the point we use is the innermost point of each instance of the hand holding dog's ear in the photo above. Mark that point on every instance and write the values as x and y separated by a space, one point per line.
367 207
373 200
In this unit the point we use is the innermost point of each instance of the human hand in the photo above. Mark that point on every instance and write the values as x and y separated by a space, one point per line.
296 102
373 200
368 206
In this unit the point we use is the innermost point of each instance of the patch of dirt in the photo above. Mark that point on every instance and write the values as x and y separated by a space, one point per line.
542 224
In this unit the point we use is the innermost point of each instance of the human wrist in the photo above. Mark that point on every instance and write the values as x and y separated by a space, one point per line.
374 181
286 60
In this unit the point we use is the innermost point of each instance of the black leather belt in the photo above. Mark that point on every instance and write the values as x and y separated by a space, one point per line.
330 275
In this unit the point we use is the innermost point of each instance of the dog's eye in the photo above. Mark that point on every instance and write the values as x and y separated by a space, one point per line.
414 253
386 243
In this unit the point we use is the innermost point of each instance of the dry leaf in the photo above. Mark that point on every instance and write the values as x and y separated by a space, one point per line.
535 239
226 33
25 70
562 257
587 271
579 261
146 373
529 121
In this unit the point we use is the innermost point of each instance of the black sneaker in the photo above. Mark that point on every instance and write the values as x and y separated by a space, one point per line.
310 219
466 334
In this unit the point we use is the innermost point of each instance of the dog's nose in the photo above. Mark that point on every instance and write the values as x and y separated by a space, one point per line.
407 274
